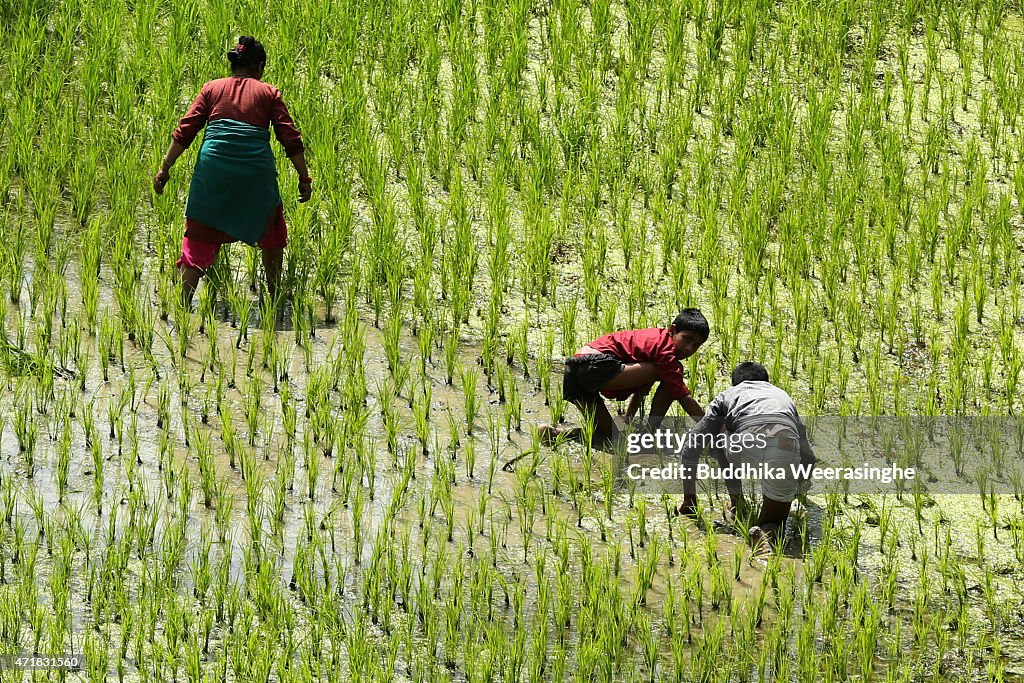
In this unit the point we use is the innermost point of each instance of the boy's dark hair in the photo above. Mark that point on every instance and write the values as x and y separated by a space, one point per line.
692 320
749 371
248 53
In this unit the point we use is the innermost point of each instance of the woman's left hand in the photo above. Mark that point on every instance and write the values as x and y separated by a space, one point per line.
305 191
159 180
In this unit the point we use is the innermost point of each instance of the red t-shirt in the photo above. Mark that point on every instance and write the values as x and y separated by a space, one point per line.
653 345
243 99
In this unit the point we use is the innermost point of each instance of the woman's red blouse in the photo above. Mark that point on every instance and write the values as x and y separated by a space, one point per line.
243 99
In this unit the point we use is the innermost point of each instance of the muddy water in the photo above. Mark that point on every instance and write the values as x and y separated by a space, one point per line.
960 514
148 476
466 493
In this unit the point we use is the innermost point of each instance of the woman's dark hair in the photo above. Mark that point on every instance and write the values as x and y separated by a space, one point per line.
248 53
749 371
692 320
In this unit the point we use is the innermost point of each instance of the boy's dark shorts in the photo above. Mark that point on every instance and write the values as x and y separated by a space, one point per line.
585 375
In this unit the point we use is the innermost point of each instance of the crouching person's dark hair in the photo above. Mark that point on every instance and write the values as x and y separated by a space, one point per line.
749 371
692 320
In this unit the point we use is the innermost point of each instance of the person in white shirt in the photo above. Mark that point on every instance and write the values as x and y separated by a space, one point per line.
754 406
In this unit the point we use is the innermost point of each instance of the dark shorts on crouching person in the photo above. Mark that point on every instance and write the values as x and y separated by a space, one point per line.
585 375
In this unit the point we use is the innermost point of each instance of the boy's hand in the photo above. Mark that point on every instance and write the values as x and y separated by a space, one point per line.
692 408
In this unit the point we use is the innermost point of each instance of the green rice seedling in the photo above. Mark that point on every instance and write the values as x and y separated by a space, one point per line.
389 416
289 418
232 444
303 317
513 407
201 442
26 432
357 528
469 453
250 360
96 657
392 336
134 458
62 465
368 465
241 307
993 510
163 406
525 508
576 490
96 450
15 252
224 500
268 321
491 339
451 354
106 344
425 344
494 439
278 504
569 326
421 416
641 517
253 407
254 519
115 411
647 568
184 327
468 376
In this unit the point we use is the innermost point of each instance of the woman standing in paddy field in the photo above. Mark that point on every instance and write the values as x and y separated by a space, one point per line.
233 195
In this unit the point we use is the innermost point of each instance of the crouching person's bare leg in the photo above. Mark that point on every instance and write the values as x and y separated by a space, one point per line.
771 524
597 412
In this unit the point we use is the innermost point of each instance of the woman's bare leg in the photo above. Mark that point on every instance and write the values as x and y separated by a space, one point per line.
272 260
189 282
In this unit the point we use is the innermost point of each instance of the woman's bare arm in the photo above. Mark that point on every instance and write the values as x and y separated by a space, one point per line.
305 183
174 150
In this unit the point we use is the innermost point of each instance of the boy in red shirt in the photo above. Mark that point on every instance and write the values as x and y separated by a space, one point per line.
627 364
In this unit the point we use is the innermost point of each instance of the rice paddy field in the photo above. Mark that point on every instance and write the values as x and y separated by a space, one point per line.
350 487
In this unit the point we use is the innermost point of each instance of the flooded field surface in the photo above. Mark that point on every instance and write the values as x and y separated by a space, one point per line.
348 483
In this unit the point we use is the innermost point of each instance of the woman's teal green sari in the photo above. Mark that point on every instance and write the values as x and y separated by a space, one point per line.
234 185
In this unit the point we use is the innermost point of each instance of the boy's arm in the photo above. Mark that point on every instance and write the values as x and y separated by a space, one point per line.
806 452
670 372
635 401
710 424
691 407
